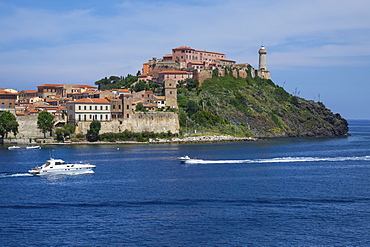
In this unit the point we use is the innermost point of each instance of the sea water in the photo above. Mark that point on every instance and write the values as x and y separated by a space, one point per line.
281 192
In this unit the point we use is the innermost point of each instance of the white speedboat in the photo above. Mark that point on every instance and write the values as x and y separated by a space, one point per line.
33 147
14 147
187 160
184 158
58 166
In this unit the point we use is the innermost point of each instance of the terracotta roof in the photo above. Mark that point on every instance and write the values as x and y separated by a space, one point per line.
30 91
142 76
87 86
124 90
168 55
183 48
211 52
148 91
6 92
90 101
160 97
173 72
222 59
50 85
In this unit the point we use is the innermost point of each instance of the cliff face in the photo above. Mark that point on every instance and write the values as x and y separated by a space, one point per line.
309 119
255 107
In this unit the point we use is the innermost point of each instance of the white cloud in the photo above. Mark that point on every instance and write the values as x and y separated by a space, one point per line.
78 45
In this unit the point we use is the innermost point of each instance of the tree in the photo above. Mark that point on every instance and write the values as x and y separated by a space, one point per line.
8 123
140 86
140 107
45 122
93 132
65 131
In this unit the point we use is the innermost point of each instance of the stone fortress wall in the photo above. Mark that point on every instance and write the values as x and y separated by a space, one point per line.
139 122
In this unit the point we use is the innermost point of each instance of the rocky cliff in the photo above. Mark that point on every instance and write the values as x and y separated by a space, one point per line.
254 107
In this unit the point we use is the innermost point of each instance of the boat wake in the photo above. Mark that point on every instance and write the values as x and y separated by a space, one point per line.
14 175
283 160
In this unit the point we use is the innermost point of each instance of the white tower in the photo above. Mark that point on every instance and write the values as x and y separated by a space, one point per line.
262 58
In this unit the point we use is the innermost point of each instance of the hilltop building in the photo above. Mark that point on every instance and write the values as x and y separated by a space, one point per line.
186 62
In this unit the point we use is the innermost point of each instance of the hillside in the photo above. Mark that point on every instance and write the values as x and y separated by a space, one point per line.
253 107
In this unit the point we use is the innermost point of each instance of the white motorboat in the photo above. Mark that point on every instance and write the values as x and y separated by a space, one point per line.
33 147
187 160
184 158
14 147
59 166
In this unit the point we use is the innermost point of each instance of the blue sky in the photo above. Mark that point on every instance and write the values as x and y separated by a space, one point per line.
316 47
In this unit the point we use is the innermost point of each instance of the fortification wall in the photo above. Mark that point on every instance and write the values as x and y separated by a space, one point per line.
139 122
205 74
27 127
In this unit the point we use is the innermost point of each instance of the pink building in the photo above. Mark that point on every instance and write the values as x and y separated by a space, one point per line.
190 57
175 75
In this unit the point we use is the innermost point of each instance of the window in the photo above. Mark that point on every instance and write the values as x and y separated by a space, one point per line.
128 107
90 108
79 117
114 107
128 116
84 117
106 108
96 108
79 107
101 107
106 117
84 107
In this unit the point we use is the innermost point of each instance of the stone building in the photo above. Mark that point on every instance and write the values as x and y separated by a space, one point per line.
89 110
7 100
170 93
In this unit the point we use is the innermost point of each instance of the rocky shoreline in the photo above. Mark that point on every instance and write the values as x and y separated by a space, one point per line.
176 140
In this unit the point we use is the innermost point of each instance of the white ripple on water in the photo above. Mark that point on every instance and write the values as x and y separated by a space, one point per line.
9 175
282 160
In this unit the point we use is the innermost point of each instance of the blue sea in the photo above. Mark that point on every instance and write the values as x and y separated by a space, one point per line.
280 192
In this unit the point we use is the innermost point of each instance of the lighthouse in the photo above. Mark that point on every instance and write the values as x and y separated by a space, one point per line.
262 58
262 68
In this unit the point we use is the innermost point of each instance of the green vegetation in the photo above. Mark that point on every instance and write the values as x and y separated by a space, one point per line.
115 82
252 107
140 107
45 122
128 82
64 132
8 123
93 133
134 136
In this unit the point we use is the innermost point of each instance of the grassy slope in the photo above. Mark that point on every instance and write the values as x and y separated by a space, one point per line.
254 107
